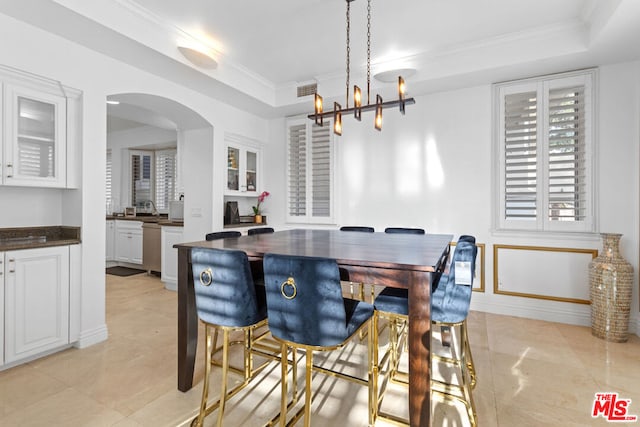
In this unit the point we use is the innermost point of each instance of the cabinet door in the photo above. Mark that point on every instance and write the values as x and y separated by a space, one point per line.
36 301
170 236
110 241
129 241
35 138
1 308
243 171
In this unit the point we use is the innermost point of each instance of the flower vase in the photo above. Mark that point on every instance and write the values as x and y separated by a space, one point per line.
257 219
611 279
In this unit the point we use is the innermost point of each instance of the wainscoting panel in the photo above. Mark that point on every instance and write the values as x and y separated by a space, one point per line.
548 273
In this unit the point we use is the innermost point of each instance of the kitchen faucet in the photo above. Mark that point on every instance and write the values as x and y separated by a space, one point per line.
154 211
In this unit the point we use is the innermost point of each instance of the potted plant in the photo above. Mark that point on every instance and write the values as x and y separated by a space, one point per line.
256 209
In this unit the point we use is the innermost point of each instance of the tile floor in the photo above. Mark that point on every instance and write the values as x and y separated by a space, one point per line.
530 373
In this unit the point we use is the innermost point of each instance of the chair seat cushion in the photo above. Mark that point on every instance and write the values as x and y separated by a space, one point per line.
393 300
357 313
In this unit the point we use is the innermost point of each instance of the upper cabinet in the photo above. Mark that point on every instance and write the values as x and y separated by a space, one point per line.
244 174
38 138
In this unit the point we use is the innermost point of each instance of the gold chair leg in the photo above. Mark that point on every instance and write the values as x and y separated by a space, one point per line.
307 388
469 357
284 380
225 371
373 369
198 421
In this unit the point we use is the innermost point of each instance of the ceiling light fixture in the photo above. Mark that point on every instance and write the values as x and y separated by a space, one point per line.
358 108
198 57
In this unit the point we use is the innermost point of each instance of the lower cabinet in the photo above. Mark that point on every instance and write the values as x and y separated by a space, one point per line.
36 301
170 236
110 253
128 241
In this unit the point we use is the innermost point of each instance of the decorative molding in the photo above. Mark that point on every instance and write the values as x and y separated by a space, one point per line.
91 337
572 315
496 281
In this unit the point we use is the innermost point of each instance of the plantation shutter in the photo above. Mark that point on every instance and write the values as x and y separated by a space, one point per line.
321 170
166 176
297 166
567 177
520 155
108 181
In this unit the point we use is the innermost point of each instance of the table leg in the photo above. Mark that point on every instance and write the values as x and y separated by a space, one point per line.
187 321
419 349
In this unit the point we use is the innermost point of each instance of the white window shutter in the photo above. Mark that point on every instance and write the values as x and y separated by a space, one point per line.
321 170
166 177
297 172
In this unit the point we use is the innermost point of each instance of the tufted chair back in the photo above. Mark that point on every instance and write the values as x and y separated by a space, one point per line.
401 230
224 288
451 299
304 300
222 235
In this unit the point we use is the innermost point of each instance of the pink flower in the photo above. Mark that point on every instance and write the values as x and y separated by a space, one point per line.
261 197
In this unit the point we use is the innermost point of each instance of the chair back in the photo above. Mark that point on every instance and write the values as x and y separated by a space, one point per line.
401 230
360 228
304 300
451 299
222 235
467 238
225 291
259 230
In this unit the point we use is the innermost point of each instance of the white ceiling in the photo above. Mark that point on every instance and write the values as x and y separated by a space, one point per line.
265 49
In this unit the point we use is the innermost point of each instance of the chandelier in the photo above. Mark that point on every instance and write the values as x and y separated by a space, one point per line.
358 108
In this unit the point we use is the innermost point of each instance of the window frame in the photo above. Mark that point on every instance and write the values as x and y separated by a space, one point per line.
542 86
309 218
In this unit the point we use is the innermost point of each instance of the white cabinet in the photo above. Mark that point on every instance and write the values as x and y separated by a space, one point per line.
243 170
34 136
110 252
40 131
128 241
36 301
170 236
1 308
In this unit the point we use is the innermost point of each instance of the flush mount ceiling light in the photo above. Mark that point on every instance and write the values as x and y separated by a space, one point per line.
358 108
198 57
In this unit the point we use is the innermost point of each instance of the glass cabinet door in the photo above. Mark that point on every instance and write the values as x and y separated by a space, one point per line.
233 169
35 138
252 171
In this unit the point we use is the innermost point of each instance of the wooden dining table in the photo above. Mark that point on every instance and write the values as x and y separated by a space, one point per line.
396 260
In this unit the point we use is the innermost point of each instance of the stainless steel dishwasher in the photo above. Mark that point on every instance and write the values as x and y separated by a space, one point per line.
151 247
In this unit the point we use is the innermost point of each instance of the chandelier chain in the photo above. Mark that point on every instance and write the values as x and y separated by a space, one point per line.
368 50
348 48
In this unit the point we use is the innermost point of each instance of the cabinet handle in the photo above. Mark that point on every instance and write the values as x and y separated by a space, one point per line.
12 260
10 175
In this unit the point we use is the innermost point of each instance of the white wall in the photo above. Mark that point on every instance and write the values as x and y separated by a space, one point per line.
432 169
30 49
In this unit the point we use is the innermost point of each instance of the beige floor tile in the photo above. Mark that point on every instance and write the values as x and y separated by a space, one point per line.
530 373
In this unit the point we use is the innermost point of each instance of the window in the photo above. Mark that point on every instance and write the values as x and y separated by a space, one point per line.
109 196
153 179
545 154
166 178
310 168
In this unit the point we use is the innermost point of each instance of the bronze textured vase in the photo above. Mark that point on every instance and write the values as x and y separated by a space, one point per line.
611 280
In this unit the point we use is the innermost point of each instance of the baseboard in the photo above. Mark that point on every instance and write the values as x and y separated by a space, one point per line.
171 286
580 316
94 336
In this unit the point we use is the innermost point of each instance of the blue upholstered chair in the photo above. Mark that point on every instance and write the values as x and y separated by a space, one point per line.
259 230
360 228
402 230
450 304
222 235
307 311
226 300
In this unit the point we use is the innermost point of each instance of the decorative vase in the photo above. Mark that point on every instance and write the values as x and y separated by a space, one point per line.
611 279
257 219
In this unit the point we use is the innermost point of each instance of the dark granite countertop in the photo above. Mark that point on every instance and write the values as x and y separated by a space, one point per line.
38 237
161 220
